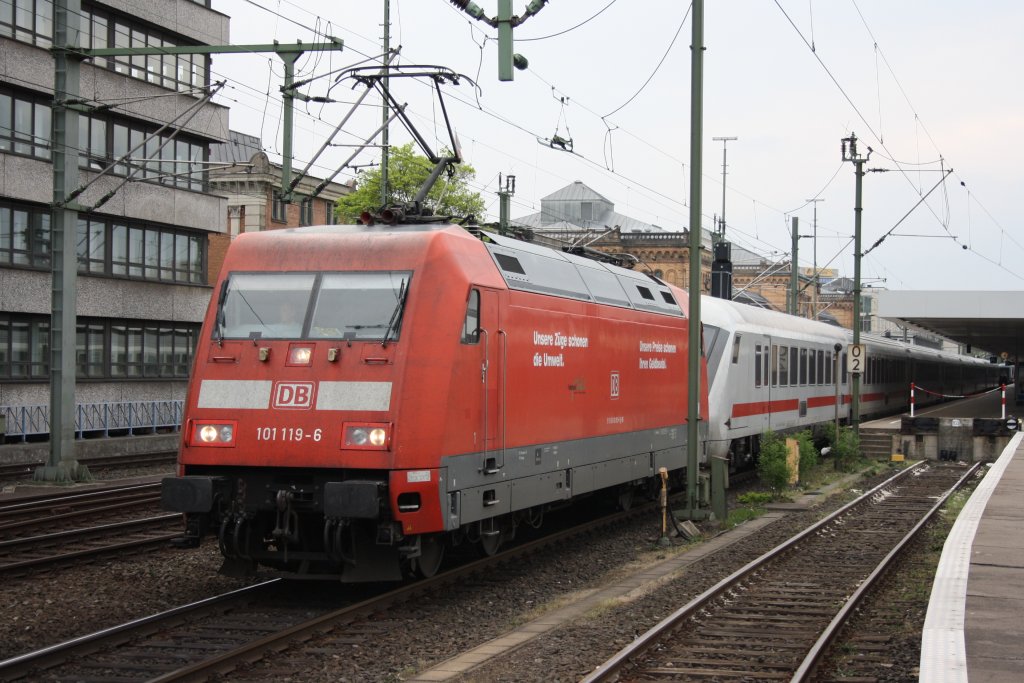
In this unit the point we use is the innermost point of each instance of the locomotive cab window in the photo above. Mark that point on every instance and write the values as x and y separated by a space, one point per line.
256 305
471 325
357 305
361 306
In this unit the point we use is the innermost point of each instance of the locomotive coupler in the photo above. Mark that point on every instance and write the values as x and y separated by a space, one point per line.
287 527
196 527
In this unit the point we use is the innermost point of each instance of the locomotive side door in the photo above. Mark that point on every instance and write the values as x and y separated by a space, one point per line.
493 344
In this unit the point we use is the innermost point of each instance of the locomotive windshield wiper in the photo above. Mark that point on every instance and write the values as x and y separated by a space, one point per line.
396 315
218 329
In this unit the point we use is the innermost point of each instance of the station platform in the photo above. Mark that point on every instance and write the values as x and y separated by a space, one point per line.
973 630
987 405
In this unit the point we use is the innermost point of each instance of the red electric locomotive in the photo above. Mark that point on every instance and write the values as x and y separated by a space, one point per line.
364 396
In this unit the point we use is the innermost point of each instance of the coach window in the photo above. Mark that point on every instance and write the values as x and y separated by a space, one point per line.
812 367
821 368
736 348
471 325
794 366
757 365
803 366
842 371
783 366
775 365
828 367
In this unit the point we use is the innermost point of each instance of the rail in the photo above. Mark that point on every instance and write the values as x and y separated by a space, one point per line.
129 417
822 580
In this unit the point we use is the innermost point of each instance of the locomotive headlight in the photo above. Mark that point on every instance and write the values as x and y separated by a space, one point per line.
366 436
300 354
208 433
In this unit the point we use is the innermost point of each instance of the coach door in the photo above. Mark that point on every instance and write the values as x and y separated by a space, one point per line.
493 344
750 370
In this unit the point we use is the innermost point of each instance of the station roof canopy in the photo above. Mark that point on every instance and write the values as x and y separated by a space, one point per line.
989 321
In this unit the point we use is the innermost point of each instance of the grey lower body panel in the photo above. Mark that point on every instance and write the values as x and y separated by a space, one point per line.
543 474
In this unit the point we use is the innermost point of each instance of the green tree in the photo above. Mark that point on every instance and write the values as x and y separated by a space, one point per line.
407 171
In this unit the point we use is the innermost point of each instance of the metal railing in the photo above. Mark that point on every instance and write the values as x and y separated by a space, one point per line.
127 417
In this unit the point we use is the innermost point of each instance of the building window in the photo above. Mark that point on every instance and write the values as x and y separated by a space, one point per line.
106 349
181 72
25 129
177 162
587 211
24 236
279 210
30 21
91 246
306 211
105 246
24 347
152 253
330 218
24 124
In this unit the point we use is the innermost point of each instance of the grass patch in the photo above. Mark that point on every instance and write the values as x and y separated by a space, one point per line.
740 515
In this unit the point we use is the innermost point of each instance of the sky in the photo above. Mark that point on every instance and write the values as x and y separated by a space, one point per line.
927 85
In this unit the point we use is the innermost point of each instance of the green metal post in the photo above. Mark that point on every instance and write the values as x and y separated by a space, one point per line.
503 202
61 465
719 483
386 110
693 355
288 104
794 276
504 40
857 209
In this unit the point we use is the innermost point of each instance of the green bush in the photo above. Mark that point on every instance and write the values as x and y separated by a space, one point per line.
846 450
754 499
772 468
808 453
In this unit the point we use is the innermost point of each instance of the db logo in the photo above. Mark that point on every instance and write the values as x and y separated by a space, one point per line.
293 395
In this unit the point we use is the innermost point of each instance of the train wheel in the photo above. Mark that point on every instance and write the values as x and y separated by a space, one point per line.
626 497
490 543
431 556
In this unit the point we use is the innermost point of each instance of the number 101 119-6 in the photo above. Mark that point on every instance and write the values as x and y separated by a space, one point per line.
287 434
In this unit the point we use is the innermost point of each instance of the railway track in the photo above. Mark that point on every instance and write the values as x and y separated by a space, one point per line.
216 636
103 463
47 529
775 618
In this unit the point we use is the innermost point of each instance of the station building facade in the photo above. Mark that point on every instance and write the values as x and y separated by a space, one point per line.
144 270
243 174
